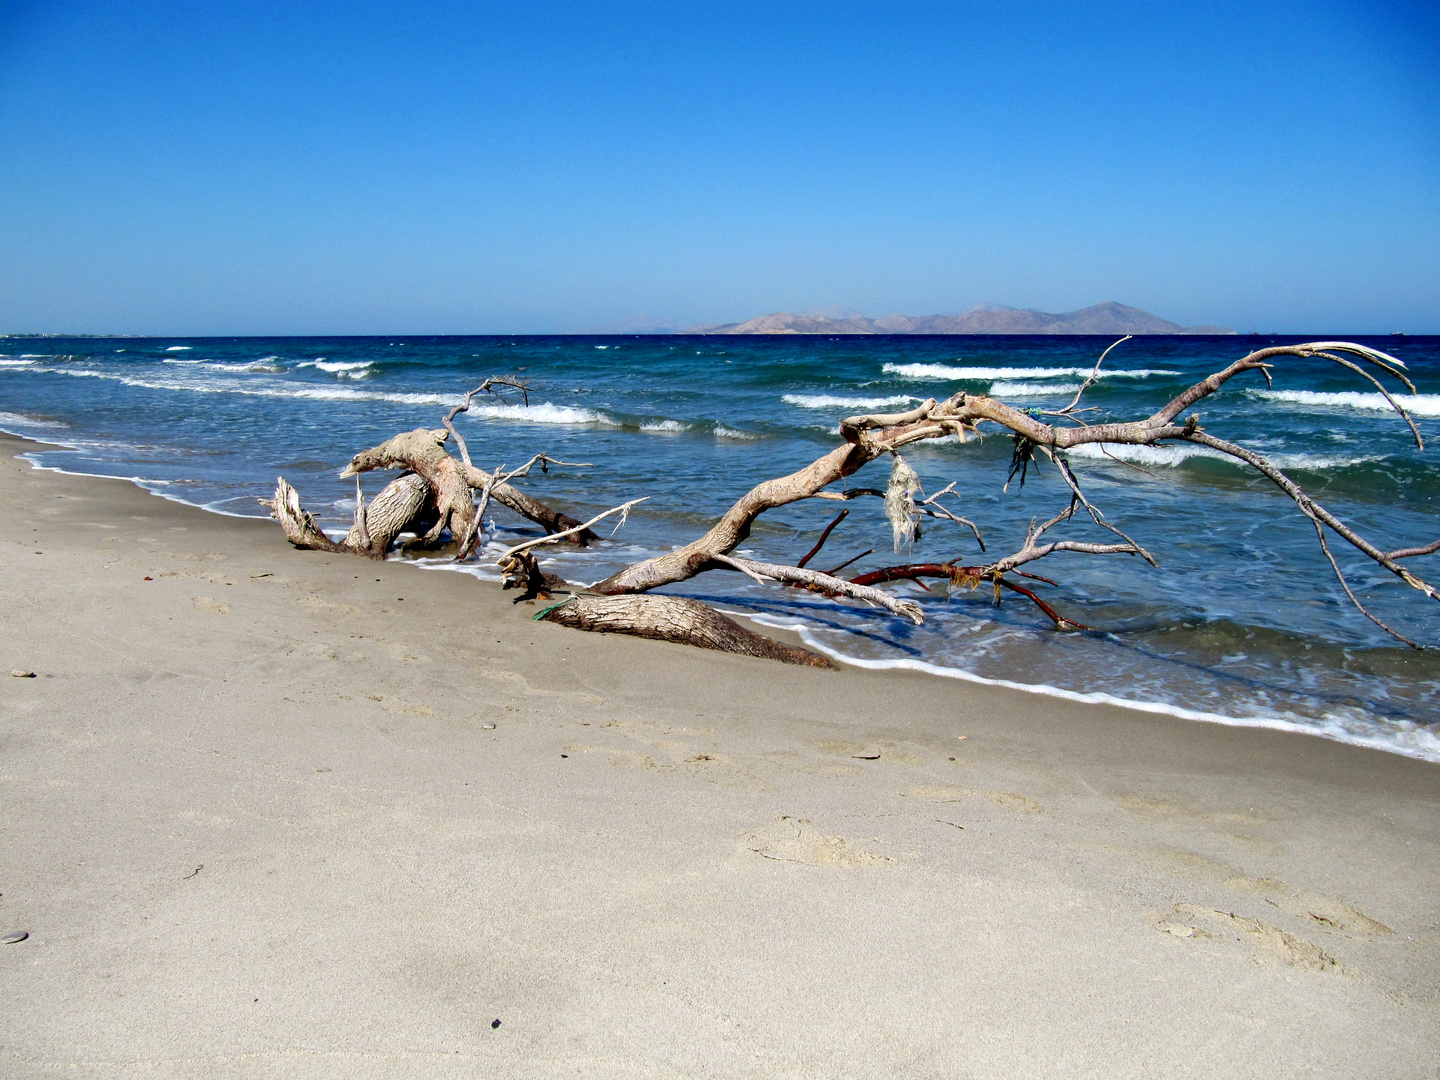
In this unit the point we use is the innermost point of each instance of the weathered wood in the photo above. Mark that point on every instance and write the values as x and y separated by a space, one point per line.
677 619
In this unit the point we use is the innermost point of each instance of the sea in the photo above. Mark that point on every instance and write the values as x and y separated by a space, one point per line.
1243 622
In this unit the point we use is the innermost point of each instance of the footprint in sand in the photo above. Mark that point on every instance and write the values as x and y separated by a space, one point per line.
791 839
1263 941
1317 910
1008 799
206 603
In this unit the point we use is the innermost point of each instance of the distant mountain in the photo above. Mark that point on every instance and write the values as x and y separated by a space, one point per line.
1106 318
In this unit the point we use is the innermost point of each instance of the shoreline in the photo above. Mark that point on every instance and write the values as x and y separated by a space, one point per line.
264 782
1426 747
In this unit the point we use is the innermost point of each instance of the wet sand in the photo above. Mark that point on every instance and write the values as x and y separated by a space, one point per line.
271 813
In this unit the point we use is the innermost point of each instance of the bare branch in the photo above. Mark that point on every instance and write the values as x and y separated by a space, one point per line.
1090 380
1094 513
824 583
1311 509
487 387
823 537
623 510
1320 534
932 508
1410 553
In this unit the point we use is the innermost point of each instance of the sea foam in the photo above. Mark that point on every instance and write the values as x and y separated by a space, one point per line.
831 401
1023 389
1418 404
1173 455
985 374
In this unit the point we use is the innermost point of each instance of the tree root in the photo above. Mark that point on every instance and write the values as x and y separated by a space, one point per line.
677 619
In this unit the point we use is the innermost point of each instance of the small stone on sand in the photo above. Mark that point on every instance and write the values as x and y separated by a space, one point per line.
18 674
13 938
488 727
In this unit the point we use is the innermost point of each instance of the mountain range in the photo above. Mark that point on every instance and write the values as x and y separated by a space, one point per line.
1106 318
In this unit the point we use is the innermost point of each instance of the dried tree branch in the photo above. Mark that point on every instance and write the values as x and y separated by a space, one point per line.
823 583
623 510
823 537
487 387
1090 380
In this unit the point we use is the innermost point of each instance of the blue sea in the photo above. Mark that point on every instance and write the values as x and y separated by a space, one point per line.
1242 623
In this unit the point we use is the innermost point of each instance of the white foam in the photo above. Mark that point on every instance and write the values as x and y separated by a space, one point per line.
829 401
285 390
252 366
355 369
1155 456
668 427
979 374
723 432
14 362
1014 389
1416 404
179 348
1396 737
26 421
1170 456
542 414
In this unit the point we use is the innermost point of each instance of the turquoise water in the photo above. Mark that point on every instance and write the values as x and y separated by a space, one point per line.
1243 621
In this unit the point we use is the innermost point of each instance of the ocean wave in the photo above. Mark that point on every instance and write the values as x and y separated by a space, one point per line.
1416 404
356 369
28 421
979 374
291 390
1171 456
828 401
542 414
252 366
179 348
723 432
9 361
1013 389
668 427
535 414
1397 737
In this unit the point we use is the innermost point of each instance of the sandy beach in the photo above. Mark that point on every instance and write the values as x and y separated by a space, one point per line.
273 813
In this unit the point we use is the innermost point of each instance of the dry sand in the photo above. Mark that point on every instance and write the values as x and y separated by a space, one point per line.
258 823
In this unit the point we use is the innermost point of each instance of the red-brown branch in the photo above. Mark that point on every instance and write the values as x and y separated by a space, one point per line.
953 572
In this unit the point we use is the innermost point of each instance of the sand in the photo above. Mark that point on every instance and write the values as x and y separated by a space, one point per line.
271 813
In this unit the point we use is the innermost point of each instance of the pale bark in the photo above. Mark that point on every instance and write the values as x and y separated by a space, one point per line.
677 619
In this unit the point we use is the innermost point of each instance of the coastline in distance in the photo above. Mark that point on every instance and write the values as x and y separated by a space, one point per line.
1107 318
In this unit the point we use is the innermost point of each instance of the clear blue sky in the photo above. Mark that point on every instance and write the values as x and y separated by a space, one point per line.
354 167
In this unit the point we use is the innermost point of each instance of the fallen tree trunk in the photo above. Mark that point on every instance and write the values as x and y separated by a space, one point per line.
442 491
677 619
455 484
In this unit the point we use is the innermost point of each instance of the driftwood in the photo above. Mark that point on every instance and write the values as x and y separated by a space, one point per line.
676 618
440 492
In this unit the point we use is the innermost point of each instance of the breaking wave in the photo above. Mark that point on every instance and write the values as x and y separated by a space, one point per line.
1013 389
355 369
978 374
1417 404
1171 456
829 401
